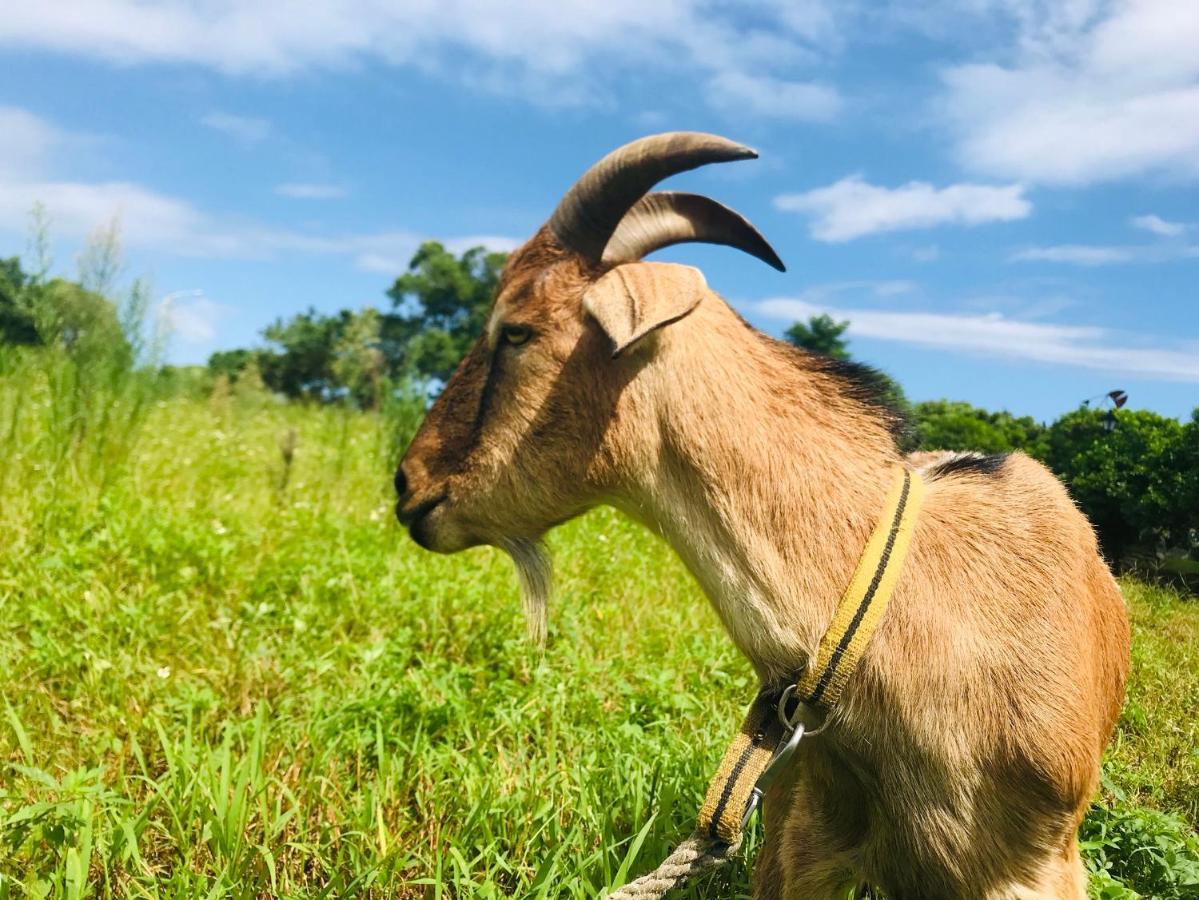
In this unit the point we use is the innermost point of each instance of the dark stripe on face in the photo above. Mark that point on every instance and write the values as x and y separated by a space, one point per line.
486 395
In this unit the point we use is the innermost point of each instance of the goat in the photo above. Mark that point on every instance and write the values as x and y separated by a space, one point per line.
966 748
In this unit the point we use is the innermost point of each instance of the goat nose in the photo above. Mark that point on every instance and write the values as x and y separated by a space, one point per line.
401 482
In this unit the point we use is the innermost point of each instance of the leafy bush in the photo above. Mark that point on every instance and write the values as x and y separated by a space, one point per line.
953 425
1132 480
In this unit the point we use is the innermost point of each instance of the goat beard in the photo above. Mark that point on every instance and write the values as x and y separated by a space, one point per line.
535 570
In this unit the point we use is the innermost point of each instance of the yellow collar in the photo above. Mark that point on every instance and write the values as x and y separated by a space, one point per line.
770 732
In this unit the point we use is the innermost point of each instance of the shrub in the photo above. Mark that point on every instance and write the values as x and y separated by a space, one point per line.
1130 479
953 425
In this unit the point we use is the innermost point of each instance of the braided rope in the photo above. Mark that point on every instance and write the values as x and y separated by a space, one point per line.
696 854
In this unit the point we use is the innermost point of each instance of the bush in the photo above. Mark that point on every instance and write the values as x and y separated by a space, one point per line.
1133 480
953 425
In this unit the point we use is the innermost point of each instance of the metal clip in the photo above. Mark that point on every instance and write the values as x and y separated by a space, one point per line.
786 749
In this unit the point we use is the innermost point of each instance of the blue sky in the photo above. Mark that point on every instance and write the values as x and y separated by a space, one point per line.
1001 195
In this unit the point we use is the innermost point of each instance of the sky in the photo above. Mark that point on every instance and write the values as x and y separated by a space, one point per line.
1001 196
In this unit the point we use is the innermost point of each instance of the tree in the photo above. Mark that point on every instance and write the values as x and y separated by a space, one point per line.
358 364
953 425
440 305
229 363
17 325
1130 480
821 334
82 322
298 360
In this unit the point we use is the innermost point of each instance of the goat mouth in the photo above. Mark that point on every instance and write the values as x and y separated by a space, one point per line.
414 516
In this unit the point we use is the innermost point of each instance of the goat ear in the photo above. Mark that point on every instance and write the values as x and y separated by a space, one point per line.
635 299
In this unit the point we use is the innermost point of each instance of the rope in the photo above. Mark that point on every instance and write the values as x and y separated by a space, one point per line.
696 854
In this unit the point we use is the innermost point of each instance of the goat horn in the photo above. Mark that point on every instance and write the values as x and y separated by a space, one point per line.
665 218
594 206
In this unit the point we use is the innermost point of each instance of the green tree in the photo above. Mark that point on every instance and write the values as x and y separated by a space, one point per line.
821 334
439 307
954 425
229 363
1129 479
358 365
17 325
82 322
298 360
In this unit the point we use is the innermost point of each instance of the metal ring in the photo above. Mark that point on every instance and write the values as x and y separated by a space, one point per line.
800 706
784 698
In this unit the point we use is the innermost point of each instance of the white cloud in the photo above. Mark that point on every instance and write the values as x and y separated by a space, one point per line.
1077 254
1105 255
1080 346
1157 225
549 51
927 254
763 97
245 129
149 218
76 208
1090 95
852 208
27 141
192 316
300 190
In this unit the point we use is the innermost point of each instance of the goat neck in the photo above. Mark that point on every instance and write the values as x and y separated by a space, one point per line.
766 477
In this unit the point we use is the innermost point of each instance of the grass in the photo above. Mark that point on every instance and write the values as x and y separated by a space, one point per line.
226 672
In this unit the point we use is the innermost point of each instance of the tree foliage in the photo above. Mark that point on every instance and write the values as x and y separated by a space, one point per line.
17 324
954 425
1134 479
439 307
820 334
300 352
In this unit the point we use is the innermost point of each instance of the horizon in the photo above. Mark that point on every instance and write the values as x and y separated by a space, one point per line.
987 195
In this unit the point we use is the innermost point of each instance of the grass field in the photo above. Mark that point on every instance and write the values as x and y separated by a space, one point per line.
226 672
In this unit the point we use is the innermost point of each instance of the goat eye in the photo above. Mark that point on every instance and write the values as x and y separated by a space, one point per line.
515 335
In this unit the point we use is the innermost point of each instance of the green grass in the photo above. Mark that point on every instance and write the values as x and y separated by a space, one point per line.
224 674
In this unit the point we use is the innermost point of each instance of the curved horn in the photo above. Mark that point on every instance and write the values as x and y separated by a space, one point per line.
668 217
593 207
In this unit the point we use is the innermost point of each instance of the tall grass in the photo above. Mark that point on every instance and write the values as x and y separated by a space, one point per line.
225 672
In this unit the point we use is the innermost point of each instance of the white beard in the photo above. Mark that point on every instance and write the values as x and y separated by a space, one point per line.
535 570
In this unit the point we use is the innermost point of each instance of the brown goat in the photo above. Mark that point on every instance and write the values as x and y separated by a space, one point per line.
966 747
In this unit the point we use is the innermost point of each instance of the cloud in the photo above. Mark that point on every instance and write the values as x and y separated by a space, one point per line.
852 208
1105 255
1157 225
76 208
1076 254
389 253
1087 97
772 98
927 254
244 129
1079 346
166 223
28 141
152 219
310 191
546 51
192 316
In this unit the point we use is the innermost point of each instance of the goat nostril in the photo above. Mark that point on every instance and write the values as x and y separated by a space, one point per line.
401 482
